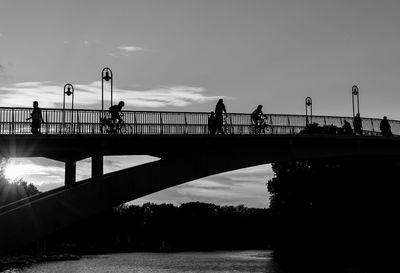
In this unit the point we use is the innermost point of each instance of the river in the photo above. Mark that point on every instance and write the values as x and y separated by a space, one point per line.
207 262
183 262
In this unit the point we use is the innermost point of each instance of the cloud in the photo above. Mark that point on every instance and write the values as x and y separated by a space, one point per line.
125 51
49 94
244 186
130 48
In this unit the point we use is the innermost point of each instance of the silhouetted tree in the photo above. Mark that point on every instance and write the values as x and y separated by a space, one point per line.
339 209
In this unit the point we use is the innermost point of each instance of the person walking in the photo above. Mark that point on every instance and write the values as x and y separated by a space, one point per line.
219 118
37 118
385 127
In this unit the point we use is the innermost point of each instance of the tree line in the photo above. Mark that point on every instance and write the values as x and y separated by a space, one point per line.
166 227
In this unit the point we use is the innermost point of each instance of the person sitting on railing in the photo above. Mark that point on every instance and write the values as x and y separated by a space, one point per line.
116 113
385 127
346 128
37 118
257 117
219 118
212 126
357 124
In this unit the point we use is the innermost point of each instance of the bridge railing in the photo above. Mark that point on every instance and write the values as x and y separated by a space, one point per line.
83 121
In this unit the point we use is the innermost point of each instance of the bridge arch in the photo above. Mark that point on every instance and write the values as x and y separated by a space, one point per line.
182 161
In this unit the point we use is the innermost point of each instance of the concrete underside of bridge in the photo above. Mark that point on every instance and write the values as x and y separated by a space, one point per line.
183 159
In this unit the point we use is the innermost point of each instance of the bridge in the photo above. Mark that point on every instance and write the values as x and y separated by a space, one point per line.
182 142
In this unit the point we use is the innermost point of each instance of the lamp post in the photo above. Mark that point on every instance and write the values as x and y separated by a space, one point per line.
106 75
355 93
308 106
68 90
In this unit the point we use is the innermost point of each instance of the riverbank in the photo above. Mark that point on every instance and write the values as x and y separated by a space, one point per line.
27 260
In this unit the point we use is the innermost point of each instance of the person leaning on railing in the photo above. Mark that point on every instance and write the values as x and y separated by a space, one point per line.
212 128
37 118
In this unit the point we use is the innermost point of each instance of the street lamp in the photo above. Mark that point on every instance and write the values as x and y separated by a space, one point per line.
68 90
308 106
355 93
106 75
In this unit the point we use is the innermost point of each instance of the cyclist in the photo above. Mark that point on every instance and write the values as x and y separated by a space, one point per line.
257 117
116 112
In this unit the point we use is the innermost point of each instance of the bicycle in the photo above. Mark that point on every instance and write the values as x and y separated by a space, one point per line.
108 126
261 128
227 127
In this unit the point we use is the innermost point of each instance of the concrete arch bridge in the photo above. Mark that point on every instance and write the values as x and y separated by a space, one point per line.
181 141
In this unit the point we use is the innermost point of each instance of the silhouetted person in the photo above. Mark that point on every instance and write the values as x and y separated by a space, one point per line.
212 125
357 124
257 117
36 117
116 112
219 118
385 127
346 128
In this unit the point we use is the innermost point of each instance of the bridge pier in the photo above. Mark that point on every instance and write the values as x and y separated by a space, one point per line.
97 168
70 173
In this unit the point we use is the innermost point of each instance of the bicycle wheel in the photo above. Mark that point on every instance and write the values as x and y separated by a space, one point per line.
125 129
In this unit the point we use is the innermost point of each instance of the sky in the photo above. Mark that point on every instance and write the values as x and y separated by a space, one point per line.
182 55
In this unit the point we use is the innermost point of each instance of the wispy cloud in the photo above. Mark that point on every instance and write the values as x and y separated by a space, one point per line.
49 94
130 48
244 186
125 51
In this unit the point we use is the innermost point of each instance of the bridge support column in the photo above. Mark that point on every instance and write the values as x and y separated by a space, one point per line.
97 168
70 173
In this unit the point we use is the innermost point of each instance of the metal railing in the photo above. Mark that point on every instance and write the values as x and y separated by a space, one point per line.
81 121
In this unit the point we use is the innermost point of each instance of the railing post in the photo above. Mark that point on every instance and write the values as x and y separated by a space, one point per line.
185 131
12 121
161 123
134 123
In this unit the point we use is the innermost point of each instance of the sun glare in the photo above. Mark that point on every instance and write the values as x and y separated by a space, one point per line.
12 172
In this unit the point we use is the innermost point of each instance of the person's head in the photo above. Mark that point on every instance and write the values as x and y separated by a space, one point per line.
35 104
121 104
358 114
220 101
259 107
212 113
385 117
